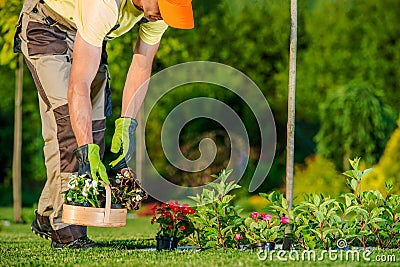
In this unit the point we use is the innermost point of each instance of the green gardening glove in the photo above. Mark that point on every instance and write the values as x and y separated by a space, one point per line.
123 141
90 163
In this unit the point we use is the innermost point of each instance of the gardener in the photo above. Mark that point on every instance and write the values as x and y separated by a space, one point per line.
63 43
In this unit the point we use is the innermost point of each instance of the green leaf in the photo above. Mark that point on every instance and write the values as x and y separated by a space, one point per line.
319 216
348 200
354 184
367 171
317 200
349 174
327 202
254 225
227 198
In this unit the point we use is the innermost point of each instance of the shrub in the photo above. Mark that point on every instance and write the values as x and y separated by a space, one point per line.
318 176
388 167
217 222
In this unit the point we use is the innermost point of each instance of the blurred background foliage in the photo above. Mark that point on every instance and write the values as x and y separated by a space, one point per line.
347 101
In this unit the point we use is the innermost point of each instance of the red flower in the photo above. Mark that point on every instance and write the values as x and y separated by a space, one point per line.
167 214
184 210
175 208
190 210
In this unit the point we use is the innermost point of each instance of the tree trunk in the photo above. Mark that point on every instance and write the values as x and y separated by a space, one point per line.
17 141
291 115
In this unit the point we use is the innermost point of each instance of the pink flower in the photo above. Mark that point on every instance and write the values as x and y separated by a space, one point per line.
285 220
238 237
255 215
266 217
182 228
170 226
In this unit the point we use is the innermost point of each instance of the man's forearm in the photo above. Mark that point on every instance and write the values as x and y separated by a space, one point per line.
137 79
85 64
80 110
135 88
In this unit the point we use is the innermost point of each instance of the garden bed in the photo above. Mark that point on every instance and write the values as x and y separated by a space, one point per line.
130 245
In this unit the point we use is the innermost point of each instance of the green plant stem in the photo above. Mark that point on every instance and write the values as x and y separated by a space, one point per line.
219 230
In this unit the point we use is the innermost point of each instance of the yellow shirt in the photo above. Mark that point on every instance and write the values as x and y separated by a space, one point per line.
94 19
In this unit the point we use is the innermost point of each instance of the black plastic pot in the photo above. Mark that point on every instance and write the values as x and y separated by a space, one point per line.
263 246
116 206
80 204
167 243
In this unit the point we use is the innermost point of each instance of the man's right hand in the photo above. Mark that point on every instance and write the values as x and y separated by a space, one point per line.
123 142
90 163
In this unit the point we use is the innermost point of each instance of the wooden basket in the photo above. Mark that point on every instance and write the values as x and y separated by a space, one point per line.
89 216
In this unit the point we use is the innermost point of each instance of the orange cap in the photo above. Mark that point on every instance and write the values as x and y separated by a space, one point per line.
177 13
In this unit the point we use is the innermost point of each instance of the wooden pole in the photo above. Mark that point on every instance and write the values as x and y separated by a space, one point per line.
291 114
17 196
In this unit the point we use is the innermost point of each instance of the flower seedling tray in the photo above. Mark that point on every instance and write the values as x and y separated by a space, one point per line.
100 217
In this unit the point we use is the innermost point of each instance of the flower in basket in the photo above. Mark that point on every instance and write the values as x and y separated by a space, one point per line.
82 191
126 190
173 219
264 227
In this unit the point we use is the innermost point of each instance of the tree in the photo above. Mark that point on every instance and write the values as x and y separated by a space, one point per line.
346 40
354 122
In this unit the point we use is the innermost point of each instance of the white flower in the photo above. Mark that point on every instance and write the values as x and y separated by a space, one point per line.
95 190
117 181
69 198
72 183
94 184
85 191
138 198
86 188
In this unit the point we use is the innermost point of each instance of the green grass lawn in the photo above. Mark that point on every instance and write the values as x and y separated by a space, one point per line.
133 246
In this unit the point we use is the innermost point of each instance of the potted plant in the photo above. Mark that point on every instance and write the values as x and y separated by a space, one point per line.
95 203
262 230
174 224
126 191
